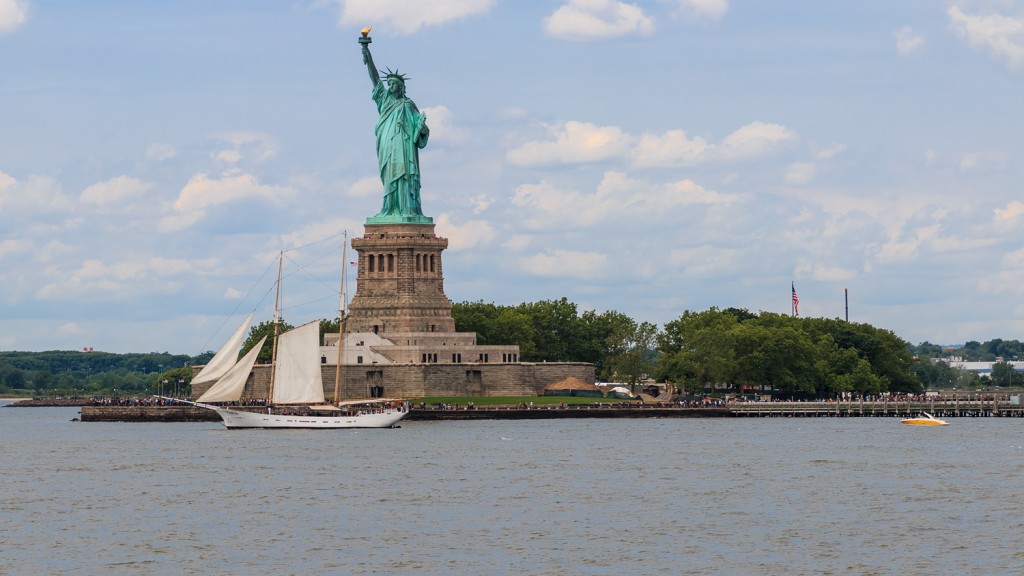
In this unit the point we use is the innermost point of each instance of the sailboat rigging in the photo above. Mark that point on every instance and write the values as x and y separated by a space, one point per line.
296 391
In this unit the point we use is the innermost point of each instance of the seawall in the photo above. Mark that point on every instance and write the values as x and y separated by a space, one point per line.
148 414
544 412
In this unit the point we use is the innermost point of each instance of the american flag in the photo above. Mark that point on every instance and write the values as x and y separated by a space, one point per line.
796 301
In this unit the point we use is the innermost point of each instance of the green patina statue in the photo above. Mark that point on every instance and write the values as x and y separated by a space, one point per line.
401 131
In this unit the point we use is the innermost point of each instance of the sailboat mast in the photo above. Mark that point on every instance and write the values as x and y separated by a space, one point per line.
277 326
341 316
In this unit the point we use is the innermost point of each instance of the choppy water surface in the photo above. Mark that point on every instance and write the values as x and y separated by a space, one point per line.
669 496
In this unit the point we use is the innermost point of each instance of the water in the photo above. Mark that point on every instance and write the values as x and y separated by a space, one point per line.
671 496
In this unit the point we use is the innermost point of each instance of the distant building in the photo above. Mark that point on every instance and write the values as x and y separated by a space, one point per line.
980 368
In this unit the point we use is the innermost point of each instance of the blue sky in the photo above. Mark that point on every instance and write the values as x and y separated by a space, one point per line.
647 157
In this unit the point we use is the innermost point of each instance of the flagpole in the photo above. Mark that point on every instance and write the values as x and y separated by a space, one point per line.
846 300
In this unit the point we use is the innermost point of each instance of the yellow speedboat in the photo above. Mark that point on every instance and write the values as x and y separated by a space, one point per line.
926 420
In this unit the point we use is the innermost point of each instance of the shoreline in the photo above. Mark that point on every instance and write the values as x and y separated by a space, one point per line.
180 413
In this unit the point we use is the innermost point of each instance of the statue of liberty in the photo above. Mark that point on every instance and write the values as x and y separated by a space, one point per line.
401 131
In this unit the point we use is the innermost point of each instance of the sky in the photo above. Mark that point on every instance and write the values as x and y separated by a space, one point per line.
648 157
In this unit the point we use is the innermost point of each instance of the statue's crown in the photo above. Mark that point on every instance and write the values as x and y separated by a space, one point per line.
390 74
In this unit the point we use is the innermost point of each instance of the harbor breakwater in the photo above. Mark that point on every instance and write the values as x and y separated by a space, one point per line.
942 409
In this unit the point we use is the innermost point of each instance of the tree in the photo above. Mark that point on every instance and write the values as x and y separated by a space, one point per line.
265 328
1003 374
329 327
783 358
12 377
601 337
630 359
926 349
494 324
555 330
699 349
180 377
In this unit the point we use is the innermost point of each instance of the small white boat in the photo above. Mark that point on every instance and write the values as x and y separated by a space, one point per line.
925 420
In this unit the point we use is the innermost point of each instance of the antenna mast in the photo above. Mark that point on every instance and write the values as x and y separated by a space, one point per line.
341 314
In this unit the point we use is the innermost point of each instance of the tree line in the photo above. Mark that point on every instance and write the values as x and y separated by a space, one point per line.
68 372
729 350
721 350
973 351
935 369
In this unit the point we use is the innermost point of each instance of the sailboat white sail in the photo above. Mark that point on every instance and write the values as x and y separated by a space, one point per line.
230 386
297 387
225 358
297 379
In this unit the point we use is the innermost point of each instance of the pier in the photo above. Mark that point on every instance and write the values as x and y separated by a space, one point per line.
952 408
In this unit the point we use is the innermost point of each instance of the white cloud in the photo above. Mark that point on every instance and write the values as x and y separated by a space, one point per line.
6 181
969 162
830 152
1014 259
754 139
823 273
513 113
481 203
13 14
568 263
927 234
1008 217
11 246
115 190
703 261
203 192
617 197
408 16
597 19
704 9
227 156
1000 36
442 125
672 148
36 195
908 41
367 186
575 142
471 234
518 243
99 280
581 142
254 146
800 173
69 329
160 152
313 232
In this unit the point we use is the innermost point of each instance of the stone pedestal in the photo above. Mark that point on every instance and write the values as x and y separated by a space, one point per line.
400 283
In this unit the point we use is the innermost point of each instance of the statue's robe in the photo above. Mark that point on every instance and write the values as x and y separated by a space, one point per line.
398 144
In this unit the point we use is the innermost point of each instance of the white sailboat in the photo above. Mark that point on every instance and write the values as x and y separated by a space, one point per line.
296 387
225 359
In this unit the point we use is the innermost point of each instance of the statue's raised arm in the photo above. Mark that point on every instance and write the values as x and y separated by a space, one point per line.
401 131
364 41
